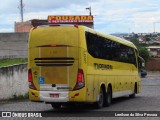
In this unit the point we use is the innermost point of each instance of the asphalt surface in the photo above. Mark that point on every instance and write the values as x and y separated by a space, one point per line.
148 100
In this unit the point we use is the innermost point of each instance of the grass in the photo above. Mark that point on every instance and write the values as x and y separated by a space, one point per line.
18 97
12 61
15 98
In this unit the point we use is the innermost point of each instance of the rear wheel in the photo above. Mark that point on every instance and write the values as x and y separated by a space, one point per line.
134 94
56 106
100 102
108 98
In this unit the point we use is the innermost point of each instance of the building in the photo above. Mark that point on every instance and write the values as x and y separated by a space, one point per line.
26 26
154 51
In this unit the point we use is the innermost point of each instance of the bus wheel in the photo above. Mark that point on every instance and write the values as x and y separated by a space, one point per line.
134 94
108 99
99 103
56 106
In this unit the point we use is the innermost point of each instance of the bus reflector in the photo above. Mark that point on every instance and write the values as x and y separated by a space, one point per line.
29 75
80 80
30 80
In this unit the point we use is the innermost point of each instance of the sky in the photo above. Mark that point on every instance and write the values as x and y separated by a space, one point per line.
110 16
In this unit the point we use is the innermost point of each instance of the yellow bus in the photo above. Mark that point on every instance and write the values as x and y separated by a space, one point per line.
76 64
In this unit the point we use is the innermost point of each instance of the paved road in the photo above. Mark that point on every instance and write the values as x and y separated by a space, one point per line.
147 100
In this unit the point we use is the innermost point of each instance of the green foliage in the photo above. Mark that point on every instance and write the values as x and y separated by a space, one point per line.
18 97
136 36
144 53
148 37
135 41
12 61
26 95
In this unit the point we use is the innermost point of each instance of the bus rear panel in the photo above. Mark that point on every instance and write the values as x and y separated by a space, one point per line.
53 65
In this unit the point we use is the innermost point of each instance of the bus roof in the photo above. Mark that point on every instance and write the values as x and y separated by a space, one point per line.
111 37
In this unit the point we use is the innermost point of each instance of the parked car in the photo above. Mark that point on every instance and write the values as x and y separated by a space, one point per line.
143 73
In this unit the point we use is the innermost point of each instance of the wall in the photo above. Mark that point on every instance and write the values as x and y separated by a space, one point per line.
13 45
22 26
153 64
13 81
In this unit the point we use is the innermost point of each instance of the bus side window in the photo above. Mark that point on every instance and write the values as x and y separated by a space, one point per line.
103 48
93 45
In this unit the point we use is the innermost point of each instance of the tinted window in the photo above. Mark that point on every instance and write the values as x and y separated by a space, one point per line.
103 48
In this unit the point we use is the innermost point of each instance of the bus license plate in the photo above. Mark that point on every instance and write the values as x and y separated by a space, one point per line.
54 95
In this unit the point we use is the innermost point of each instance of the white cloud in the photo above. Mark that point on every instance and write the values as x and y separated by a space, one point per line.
8 7
128 15
4 30
32 6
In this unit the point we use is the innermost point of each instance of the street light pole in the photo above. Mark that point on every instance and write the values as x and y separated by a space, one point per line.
89 10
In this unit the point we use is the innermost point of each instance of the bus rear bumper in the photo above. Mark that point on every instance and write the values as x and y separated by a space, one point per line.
51 96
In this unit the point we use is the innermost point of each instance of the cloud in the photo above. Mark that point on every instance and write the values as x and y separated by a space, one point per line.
9 7
110 16
32 6
4 30
129 15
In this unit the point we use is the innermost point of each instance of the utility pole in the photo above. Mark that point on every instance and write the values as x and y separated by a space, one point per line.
21 7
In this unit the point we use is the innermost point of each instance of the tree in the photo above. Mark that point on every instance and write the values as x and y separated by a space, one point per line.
135 41
136 36
142 48
147 38
144 53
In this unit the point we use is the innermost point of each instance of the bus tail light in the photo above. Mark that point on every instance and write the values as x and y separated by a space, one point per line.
30 80
80 80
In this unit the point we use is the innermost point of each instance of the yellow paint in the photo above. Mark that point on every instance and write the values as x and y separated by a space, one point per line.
34 95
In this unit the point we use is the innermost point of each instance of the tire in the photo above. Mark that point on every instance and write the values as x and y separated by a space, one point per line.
134 94
100 103
108 99
56 106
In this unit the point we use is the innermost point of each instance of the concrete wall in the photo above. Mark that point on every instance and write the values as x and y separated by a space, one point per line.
13 45
13 81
